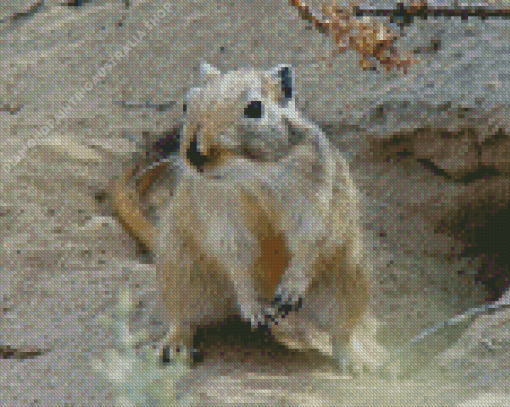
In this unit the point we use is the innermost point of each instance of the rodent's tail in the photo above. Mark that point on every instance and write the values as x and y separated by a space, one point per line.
126 204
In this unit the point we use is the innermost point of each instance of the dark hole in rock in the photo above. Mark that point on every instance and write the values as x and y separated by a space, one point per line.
484 229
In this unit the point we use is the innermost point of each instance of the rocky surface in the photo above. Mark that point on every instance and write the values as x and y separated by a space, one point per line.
427 149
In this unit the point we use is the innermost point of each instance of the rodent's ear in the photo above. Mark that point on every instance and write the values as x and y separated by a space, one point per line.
207 72
283 74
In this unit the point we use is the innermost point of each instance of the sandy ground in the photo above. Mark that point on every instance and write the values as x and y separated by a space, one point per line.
67 130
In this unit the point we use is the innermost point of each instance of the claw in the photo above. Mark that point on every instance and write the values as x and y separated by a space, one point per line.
282 304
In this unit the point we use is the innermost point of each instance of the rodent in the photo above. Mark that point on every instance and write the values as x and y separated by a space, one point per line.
264 218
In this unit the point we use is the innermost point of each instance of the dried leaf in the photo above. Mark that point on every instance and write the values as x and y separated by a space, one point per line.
368 36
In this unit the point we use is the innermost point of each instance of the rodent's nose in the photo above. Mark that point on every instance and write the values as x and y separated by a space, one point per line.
194 156
198 159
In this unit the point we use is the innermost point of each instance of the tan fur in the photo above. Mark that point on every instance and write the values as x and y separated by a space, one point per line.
271 212
126 205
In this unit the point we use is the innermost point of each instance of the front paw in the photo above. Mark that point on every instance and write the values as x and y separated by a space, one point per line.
283 303
171 354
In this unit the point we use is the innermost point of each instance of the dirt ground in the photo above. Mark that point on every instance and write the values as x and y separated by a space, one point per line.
67 131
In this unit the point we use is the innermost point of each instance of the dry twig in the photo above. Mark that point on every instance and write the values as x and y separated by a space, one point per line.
373 39
367 36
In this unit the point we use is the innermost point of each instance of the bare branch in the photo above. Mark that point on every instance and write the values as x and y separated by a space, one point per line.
367 36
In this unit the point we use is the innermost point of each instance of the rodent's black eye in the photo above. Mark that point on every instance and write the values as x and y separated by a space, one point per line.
253 110
184 107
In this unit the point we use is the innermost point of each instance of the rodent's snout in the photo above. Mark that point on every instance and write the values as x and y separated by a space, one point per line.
199 159
195 157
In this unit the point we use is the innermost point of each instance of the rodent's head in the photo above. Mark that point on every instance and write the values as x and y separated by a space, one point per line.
240 113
